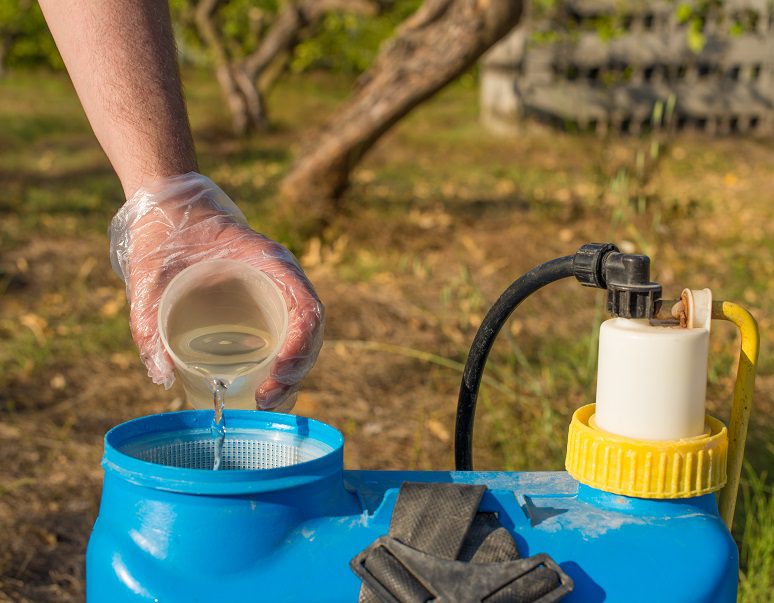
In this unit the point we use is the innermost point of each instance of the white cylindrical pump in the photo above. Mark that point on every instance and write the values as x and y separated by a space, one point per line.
651 380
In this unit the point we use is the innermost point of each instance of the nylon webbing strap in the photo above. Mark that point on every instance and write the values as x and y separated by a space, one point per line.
439 548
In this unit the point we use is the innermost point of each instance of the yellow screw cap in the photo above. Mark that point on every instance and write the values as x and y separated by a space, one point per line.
646 469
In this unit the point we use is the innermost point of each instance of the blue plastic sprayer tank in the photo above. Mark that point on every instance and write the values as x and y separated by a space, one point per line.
284 521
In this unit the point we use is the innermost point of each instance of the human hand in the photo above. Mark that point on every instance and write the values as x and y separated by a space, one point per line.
181 220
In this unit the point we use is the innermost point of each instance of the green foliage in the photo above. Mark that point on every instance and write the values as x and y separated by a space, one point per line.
694 17
24 33
243 23
614 21
756 578
695 36
345 42
348 43
189 46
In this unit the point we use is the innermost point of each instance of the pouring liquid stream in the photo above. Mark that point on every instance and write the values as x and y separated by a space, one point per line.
221 354
218 427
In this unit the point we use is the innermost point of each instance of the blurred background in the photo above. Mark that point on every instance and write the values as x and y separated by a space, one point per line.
645 124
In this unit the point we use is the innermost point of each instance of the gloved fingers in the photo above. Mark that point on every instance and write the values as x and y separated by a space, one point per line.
305 314
289 400
152 352
276 396
302 344
297 355
147 275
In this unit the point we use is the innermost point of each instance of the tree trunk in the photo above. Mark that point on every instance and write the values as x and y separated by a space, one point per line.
245 80
298 20
429 50
244 102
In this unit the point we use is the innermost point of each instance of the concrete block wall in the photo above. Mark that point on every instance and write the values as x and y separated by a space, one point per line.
581 81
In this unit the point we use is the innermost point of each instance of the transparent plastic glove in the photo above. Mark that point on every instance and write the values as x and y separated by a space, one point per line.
178 221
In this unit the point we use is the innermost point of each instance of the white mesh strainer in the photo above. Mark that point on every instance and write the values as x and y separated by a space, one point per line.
242 449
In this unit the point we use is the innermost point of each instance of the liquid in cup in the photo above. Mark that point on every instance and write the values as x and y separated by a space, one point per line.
222 320
223 350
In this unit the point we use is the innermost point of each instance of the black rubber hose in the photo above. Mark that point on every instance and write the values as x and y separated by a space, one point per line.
520 290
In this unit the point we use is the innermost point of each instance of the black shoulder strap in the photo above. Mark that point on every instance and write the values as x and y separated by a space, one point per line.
440 549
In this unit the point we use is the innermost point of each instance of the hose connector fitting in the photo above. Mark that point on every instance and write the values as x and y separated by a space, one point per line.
630 292
588 264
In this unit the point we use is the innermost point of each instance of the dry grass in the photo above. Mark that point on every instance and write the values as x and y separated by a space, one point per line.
440 219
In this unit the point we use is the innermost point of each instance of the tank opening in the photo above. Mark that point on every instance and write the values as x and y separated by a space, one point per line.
242 449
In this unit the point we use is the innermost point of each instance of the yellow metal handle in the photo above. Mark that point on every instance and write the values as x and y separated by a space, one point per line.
742 405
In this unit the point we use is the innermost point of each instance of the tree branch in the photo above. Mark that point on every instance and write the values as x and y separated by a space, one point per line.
285 33
244 101
429 50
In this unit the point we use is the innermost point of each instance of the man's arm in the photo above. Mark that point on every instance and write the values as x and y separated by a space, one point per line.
120 55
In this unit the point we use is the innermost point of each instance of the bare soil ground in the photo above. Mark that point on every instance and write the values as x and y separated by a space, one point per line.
440 219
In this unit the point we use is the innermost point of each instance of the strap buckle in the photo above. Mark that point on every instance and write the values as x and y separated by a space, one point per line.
456 581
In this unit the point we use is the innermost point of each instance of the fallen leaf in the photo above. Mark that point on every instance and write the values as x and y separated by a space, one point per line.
58 382
627 247
505 187
313 256
86 268
175 404
36 324
9 432
365 176
122 361
372 429
489 269
112 306
474 249
516 327
438 430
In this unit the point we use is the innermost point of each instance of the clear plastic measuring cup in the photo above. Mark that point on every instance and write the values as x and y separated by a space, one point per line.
225 320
